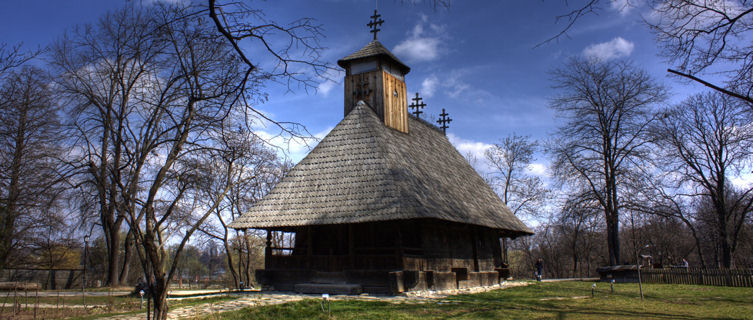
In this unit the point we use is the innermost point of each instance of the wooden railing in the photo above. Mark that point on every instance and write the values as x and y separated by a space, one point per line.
713 277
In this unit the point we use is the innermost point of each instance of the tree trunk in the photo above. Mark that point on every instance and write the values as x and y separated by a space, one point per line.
127 257
247 270
14 187
721 213
159 297
113 258
726 258
613 239
228 253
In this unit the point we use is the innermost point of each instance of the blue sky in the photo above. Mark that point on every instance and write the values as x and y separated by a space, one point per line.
477 59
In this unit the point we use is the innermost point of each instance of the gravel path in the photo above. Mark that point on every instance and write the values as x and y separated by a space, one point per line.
272 298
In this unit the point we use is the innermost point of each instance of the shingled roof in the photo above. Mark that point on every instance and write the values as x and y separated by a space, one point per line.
363 171
374 48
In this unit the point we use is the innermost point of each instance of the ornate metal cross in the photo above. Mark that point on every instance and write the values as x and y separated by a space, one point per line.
444 120
362 90
417 105
375 22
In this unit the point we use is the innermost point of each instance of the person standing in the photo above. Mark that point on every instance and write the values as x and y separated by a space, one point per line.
539 269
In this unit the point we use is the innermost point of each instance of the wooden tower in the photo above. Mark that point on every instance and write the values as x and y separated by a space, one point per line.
375 76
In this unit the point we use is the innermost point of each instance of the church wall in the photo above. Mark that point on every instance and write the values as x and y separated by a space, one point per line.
449 246
389 257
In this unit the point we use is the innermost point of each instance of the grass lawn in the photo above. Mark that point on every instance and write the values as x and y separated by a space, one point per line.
558 300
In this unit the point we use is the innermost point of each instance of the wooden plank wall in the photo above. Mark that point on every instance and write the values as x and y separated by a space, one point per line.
714 277
395 107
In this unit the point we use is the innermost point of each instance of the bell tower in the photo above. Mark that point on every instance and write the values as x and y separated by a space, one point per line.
373 74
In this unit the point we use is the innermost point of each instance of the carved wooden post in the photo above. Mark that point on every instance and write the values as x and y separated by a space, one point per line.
351 249
309 248
399 247
268 250
474 239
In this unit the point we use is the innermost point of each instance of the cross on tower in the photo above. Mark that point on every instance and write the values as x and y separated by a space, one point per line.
443 121
417 105
375 22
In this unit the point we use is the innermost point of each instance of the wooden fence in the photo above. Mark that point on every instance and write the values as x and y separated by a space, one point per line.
713 277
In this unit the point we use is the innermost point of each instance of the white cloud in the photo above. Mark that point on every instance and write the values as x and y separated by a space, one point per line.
418 49
325 87
623 6
294 149
429 86
538 169
742 181
451 84
421 45
613 49
472 149
329 80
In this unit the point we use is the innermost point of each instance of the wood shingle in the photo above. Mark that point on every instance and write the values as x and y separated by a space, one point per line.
363 171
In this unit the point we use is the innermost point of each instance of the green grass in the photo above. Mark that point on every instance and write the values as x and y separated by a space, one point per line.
561 300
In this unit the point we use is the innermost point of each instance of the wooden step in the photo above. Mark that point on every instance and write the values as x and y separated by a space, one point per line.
329 288
329 277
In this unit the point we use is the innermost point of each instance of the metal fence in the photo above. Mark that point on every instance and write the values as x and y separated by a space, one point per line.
712 277
46 279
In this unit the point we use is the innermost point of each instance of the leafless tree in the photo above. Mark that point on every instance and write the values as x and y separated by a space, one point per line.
707 140
521 191
257 168
606 108
578 219
696 34
29 171
201 82
12 57
101 68
660 195
699 34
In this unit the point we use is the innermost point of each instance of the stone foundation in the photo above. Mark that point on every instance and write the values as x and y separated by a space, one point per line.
375 282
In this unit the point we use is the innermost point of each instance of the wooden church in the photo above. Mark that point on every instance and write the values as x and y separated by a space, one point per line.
384 203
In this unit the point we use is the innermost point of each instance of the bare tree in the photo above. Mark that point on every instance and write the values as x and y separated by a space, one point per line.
255 171
707 139
101 68
699 34
696 34
579 217
199 83
29 172
661 196
606 107
12 57
521 191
